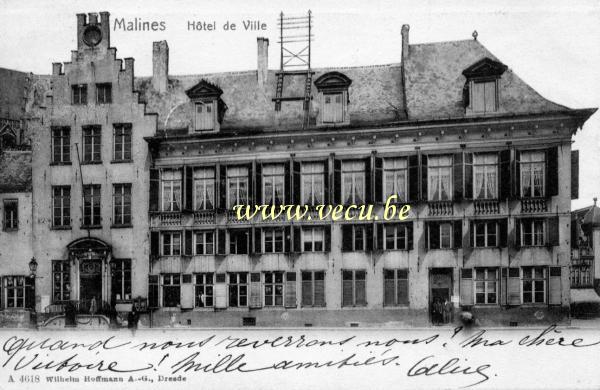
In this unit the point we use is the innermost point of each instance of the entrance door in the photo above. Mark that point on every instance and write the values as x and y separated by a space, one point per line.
440 284
90 283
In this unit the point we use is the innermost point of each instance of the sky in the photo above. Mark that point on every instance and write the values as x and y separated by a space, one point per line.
553 45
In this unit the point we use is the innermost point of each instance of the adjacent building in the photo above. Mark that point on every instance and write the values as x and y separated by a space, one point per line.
134 180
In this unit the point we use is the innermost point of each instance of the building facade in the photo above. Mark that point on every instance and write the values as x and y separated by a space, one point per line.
135 179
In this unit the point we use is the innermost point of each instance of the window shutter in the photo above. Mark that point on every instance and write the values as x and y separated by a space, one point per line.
368 181
30 293
471 234
297 239
250 181
503 232
379 236
287 183
346 238
369 237
468 190
220 291
290 289
424 195
188 186
389 287
307 289
360 289
409 236
553 235
154 189
503 284
250 240
223 187
326 186
221 242
337 181
154 244
466 287
413 178
296 183
319 281
433 233
517 230
187 293
504 180
554 289
457 231
457 175
152 291
574 174
188 244
327 244
378 182
516 179
287 239
258 185
514 286
257 240
552 172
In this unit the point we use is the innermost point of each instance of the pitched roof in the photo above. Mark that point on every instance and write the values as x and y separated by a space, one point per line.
434 82
15 171
375 97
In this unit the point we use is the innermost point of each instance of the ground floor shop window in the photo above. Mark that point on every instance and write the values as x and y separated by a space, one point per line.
204 289
534 284
19 292
274 288
238 289
171 289
61 281
121 279
486 285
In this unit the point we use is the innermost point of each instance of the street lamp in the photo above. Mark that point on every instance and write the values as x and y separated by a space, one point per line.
33 266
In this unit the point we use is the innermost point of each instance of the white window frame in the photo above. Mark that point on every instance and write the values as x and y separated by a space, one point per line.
273 236
95 193
106 97
436 168
483 164
11 294
63 282
450 235
122 133
274 285
396 230
533 279
207 280
485 283
239 283
273 176
171 185
94 134
530 162
311 235
354 172
537 238
236 175
485 225
204 187
174 250
312 175
397 168
125 267
64 216
202 236
122 204
63 138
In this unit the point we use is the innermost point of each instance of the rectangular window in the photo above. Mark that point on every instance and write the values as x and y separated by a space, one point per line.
205 242
203 290
238 289
122 142
121 204
313 179
170 180
273 240
11 214
239 241
440 235
79 94
237 186
533 232
396 236
353 182
439 178
485 176
534 284
61 206
204 188
313 239
273 177
484 96
394 179
204 116
445 235
333 109
104 93
121 279
61 281
395 286
485 234
354 291
274 288
171 284
91 205
533 168
171 243
486 286
15 290
61 144
92 144
313 288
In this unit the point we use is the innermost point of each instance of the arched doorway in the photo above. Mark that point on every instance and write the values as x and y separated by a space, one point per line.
90 257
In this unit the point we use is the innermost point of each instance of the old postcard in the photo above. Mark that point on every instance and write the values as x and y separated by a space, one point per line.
306 194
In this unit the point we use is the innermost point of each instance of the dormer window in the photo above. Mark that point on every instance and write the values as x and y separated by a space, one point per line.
209 108
334 98
481 92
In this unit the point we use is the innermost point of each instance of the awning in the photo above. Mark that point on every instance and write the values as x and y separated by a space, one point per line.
579 295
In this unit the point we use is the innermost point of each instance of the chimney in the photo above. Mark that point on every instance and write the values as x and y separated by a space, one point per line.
405 29
263 61
160 66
